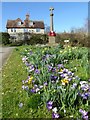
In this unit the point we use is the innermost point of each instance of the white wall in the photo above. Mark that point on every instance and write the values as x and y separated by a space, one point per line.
22 30
17 30
34 31
41 31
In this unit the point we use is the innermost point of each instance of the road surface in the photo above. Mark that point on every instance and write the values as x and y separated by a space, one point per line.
4 54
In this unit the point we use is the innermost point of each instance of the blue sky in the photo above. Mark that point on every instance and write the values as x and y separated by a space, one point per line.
66 14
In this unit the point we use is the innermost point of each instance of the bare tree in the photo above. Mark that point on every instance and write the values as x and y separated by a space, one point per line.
47 28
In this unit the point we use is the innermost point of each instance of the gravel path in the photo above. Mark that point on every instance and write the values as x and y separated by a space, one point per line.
4 54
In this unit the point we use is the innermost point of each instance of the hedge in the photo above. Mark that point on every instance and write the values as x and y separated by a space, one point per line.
4 38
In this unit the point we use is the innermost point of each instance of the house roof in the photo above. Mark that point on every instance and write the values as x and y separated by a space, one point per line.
25 24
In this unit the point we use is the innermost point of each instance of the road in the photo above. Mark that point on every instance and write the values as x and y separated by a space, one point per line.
4 54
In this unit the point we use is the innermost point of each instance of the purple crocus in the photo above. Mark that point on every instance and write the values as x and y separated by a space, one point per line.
70 79
37 71
45 83
53 69
69 73
33 81
60 66
85 117
31 68
49 105
44 58
83 82
85 87
33 90
74 85
55 115
26 81
30 52
50 102
49 68
48 55
83 112
27 64
35 86
85 95
63 75
23 81
53 77
25 88
65 70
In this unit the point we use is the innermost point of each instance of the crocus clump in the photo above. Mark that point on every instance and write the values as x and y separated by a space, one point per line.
59 87
84 114
49 105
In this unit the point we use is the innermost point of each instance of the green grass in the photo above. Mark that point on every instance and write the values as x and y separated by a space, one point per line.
75 65
12 94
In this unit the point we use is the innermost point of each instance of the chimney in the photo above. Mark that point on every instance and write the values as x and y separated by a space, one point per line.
27 16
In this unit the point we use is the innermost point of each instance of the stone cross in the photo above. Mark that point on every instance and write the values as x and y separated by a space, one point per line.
51 18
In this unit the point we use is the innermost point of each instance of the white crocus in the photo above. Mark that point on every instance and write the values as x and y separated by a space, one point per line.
37 89
54 110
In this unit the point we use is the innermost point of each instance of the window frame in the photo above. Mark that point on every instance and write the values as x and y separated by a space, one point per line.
25 30
11 29
31 24
19 23
38 29
14 29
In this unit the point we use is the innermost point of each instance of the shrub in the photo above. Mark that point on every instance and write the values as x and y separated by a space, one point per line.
0 38
38 39
17 43
32 40
4 38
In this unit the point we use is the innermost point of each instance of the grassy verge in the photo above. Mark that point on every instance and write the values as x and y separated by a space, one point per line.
12 94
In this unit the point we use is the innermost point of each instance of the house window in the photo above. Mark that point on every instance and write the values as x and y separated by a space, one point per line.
13 37
37 30
19 23
25 30
31 23
30 31
14 30
11 30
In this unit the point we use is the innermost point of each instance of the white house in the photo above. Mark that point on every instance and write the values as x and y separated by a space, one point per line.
28 26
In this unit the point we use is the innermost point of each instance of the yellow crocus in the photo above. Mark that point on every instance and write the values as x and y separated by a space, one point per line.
43 51
61 70
64 81
45 48
61 51
30 80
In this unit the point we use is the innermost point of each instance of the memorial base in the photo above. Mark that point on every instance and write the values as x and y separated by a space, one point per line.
52 39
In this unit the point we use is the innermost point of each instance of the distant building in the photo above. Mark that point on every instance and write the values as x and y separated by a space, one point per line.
15 27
